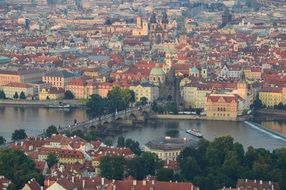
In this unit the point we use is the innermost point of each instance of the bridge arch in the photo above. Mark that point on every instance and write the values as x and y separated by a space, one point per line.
132 117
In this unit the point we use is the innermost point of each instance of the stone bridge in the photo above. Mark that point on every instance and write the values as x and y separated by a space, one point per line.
127 116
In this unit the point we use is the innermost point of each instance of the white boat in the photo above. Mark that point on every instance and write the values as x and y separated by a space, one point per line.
60 105
194 132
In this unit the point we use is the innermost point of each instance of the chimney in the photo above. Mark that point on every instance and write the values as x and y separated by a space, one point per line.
246 180
260 182
72 179
48 182
114 187
144 182
153 182
83 183
134 182
22 143
269 182
102 181
255 181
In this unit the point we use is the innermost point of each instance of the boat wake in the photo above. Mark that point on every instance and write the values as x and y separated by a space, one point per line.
265 131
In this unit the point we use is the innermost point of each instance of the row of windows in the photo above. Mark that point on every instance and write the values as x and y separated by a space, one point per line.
220 114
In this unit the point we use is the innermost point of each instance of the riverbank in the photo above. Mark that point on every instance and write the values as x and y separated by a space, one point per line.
41 104
271 112
188 117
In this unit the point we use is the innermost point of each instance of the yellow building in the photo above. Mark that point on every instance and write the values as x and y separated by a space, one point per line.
141 27
24 76
194 95
271 96
151 92
12 88
253 73
82 88
166 148
59 79
222 106
52 93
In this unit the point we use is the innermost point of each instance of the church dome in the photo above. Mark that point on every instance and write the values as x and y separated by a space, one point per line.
157 71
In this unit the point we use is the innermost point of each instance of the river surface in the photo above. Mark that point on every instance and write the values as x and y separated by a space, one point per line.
35 120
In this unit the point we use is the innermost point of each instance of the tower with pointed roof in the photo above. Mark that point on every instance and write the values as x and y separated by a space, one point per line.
158 32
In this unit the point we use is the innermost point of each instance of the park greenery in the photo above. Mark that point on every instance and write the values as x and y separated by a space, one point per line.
2 140
117 99
2 94
51 160
129 143
117 167
19 134
212 165
17 167
68 95
51 130
163 107
22 96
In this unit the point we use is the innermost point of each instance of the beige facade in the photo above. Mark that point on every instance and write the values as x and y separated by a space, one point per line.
222 107
29 76
194 96
82 88
51 93
58 79
141 27
12 88
149 91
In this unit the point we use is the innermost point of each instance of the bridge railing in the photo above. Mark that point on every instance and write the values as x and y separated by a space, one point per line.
105 117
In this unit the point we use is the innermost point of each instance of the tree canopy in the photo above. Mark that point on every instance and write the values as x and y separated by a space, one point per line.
17 167
19 134
52 159
2 140
2 94
51 130
68 95
117 167
117 99
22 96
213 165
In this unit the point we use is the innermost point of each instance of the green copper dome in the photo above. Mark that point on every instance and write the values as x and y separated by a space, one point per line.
4 59
157 71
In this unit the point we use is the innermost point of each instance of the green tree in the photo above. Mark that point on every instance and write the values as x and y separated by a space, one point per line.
257 104
2 94
151 163
112 167
165 174
22 96
51 130
17 167
133 145
19 134
135 168
52 159
68 95
108 141
97 105
2 140
121 142
143 100
16 96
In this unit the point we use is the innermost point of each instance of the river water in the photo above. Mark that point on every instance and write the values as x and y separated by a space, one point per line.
35 120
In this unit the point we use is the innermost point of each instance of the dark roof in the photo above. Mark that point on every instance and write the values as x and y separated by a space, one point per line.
153 18
63 74
168 143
